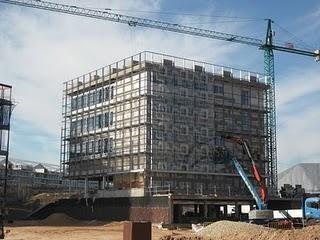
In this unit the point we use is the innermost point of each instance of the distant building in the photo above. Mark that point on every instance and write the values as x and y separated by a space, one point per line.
305 174
26 177
40 168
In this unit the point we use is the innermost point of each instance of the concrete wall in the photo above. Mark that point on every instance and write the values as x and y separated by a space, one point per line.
154 209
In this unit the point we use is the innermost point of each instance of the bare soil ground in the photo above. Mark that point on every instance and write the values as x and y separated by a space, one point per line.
62 227
110 231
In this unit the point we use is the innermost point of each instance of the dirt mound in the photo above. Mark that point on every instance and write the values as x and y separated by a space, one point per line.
312 232
224 228
59 219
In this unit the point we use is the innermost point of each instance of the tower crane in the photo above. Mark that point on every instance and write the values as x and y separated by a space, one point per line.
267 45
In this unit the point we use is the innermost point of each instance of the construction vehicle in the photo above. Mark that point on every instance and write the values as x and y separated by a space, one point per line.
310 202
260 196
311 208
308 214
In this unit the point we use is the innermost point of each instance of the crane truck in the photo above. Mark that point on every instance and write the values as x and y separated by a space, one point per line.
310 203
260 196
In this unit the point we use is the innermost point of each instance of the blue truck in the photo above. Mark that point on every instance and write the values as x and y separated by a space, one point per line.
311 208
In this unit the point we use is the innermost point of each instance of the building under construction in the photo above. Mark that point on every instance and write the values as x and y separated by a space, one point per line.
6 107
153 122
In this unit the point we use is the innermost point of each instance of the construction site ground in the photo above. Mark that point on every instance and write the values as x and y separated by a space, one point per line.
62 227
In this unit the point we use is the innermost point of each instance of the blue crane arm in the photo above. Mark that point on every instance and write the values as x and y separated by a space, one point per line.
248 183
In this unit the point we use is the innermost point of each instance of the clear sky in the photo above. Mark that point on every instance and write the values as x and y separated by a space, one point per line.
40 50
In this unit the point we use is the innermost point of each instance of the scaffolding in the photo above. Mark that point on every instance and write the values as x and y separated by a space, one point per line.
155 120
6 108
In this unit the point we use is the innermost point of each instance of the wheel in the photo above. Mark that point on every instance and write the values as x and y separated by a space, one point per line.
311 222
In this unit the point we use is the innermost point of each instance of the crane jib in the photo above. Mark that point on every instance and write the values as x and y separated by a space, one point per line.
268 46
144 22
134 21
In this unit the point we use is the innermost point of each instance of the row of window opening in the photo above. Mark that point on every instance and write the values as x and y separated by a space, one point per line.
92 123
92 147
92 97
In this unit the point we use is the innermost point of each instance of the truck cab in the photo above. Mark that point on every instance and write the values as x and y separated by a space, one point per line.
312 208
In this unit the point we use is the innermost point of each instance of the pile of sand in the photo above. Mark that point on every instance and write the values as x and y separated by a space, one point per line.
220 229
225 230
59 219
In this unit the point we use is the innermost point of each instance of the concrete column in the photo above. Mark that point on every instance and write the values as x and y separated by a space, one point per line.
86 187
171 210
195 207
238 211
205 210
180 213
103 182
201 210
225 210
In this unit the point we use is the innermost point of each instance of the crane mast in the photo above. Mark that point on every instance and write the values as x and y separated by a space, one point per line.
268 46
270 124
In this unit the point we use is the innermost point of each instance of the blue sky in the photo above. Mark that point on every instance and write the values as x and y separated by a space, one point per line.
40 50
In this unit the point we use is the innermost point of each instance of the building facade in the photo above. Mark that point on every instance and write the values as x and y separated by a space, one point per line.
157 121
